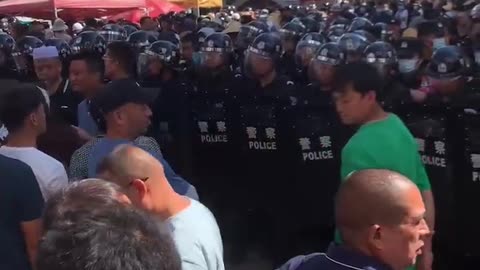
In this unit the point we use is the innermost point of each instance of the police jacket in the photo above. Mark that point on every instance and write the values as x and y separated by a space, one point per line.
339 258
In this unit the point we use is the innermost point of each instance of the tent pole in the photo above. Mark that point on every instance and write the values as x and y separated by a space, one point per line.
198 8
55 10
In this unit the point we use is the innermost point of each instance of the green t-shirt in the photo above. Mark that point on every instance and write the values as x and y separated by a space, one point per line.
385 144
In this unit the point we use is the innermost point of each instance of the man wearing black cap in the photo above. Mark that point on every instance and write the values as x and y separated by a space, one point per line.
125 116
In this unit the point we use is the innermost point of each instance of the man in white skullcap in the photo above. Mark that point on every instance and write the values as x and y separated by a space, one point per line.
48 68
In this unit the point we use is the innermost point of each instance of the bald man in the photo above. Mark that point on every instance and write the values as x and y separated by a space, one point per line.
194 228
381 218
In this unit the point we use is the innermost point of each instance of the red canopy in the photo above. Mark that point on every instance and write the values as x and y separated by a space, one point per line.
154 9
68 8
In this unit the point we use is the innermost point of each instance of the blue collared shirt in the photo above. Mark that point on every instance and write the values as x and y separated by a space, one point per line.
339 257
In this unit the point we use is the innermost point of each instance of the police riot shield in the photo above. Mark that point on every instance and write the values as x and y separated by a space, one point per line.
214 126
171 129
266 174
314 148
469 182
432 130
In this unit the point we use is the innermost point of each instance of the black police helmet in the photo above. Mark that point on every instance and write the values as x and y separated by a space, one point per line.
26 44
169 36
382 31
353 43
447 63
293 30
380 52
344 22
141 39
130 29
89 41
311 25
167 52
7 43
331 54
113 32
314 38
335 32
62 46
218 42
267 45
360 23
366 34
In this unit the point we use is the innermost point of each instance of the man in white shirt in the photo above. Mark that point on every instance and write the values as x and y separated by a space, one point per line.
23 113
194 228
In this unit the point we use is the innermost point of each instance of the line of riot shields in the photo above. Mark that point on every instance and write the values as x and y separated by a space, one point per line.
270 171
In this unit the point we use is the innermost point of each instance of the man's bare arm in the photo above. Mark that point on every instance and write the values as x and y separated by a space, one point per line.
32 231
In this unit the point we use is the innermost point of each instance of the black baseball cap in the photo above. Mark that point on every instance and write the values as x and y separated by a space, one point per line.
120 92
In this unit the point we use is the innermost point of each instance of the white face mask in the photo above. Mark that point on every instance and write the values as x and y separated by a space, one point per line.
407 65
439 43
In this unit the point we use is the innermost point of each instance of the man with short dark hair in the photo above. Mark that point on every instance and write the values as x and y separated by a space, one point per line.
24 115
86 76
85 233
21 205
119 61
125 117
194 228
148 24
382 141
381 218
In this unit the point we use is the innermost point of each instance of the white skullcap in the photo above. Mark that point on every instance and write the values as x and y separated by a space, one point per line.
45 52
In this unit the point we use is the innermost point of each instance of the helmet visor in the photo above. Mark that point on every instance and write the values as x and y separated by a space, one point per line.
305 53
148 64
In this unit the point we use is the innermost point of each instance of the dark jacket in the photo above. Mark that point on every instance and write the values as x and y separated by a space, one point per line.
338 258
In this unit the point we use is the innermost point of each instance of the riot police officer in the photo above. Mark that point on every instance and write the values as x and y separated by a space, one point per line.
7 65
215 74
305 51
140 40
335 32
245 37
411 64
383 57
89 41
291 33
353 44
214 131
262 60
360 23
321 75
7 72
159 69
22 55
448 71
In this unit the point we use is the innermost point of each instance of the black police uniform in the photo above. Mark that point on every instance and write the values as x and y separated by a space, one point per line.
170 108
64 102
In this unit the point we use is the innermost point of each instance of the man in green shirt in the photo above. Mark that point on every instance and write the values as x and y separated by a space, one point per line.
382 140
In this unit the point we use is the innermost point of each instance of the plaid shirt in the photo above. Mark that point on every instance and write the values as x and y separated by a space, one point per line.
79 163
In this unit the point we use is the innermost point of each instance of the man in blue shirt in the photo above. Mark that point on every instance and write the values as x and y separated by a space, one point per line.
21 205
380 215
125 117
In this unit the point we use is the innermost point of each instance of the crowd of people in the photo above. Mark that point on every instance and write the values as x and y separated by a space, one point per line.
154 145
